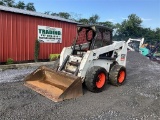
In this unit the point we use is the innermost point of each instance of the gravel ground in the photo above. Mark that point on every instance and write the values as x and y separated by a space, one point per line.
137 99
13 75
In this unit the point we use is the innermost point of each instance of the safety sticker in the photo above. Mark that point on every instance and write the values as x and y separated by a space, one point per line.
123 56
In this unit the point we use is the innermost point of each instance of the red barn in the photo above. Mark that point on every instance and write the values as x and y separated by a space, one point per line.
19 30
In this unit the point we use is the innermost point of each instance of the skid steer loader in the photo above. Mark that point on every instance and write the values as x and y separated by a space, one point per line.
93 59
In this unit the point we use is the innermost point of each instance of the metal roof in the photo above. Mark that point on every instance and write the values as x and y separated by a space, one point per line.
96 26
37 14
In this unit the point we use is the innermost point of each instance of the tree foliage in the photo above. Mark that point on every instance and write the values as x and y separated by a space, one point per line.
20 5
107 24
60 14
132 28
30 7
9 3
36 50
128 28
94 19
64 15
83 21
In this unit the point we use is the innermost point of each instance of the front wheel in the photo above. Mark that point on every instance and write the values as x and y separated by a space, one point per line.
95 79
117 75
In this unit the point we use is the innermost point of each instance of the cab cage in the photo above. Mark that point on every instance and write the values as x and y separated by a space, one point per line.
95 36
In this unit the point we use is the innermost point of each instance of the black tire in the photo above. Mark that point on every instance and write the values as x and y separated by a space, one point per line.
94 76
117 75
56 64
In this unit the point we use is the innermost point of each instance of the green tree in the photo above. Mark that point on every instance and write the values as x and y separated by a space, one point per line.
8 3
30 7
54 14
36 50
130 27
47 12
94 19
2 3
107 24
64 15
83 21
20 5
60 14
157 33
148 34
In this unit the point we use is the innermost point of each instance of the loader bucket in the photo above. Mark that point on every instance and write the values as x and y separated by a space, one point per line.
54 85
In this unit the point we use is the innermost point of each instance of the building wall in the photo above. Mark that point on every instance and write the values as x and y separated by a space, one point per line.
18 33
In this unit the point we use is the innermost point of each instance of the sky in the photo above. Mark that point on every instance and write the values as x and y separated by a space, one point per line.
109 10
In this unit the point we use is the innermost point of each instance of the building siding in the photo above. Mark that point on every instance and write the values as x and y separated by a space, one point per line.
18 33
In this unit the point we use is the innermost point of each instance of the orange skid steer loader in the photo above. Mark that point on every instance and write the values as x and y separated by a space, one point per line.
93 59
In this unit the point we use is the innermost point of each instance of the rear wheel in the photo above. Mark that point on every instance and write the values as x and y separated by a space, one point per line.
95 79
117 75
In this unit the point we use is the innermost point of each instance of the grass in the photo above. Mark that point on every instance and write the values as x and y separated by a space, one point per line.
53 57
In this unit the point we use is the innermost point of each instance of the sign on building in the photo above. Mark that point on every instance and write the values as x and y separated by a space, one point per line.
48 34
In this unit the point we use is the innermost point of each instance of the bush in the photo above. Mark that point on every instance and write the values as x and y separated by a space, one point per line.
36 50
53 57
9 61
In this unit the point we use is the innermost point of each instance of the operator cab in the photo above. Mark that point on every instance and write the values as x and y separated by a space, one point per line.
92 37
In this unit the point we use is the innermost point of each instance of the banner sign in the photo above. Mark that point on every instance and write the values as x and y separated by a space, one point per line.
48 34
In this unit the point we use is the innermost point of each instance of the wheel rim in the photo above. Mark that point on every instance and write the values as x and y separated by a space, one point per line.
121 76
101 80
